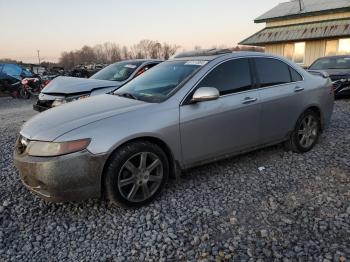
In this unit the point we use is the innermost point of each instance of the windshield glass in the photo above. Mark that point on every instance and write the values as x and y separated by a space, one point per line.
117 72
331 63
156 85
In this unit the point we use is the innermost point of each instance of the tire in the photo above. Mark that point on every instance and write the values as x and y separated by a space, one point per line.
306 133
23 93
135 174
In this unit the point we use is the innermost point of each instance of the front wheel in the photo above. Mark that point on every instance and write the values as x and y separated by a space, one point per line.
136 174
24 93
306 133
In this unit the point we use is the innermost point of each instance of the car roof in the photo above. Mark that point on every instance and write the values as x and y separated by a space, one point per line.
141 60
228 55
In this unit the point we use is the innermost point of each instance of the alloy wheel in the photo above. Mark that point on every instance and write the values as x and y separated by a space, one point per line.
308 131
140 177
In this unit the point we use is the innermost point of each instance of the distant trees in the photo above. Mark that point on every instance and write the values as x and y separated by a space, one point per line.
110 52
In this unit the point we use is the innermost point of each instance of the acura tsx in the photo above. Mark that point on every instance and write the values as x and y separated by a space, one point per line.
182 113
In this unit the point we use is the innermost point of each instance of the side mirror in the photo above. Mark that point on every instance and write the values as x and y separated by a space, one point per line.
205 94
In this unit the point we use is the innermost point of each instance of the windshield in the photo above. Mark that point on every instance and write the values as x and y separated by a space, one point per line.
117 72
156 85
331 63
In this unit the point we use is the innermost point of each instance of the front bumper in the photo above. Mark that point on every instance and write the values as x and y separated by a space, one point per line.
71 177
40 108
45 102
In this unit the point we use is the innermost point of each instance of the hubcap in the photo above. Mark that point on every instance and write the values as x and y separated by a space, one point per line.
308 131
140 177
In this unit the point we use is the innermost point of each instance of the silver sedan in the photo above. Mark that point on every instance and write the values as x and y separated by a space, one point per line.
182 113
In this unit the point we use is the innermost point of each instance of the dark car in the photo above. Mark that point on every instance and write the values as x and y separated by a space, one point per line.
338 68
64 89
11 75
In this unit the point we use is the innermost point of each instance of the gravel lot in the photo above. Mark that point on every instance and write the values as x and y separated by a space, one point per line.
298 208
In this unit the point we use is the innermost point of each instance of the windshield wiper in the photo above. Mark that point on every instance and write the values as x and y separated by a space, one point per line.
128 95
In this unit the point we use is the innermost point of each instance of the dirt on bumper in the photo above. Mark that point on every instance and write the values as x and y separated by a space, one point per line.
72 177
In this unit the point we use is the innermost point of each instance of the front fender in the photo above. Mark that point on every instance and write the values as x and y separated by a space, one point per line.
108 134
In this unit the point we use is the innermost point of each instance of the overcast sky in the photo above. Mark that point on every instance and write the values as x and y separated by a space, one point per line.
54 26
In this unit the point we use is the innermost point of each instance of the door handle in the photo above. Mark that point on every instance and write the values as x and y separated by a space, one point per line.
298 89
249 100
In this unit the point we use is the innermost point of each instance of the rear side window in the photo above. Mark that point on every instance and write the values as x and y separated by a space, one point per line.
229 77
295 75
272 72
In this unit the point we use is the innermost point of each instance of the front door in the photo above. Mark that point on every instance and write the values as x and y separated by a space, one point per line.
229 124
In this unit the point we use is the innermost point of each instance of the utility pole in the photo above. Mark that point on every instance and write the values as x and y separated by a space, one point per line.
300 6
38 56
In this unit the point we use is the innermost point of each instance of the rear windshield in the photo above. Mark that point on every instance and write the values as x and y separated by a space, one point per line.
157 84
331 63
117 72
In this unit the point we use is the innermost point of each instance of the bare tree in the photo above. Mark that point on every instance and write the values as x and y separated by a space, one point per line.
111 52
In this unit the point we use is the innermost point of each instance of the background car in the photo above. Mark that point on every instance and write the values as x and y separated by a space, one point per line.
338 68
11 76
62 89
183 113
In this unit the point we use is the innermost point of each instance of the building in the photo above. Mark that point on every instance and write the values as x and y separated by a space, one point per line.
304 30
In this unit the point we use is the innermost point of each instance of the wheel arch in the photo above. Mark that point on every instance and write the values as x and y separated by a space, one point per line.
316 109
173 166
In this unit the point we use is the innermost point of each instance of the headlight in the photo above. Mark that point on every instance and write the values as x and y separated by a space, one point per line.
75 98
39 148
59 102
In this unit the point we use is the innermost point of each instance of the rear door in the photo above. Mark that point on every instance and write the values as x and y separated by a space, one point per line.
281 88
231 123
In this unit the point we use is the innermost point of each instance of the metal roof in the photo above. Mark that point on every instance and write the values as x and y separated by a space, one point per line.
309 7
300 32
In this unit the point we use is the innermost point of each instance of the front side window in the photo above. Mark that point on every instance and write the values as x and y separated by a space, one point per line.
157 84
117 72
272 72
230 77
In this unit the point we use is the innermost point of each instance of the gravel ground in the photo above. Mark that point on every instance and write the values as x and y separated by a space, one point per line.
297 208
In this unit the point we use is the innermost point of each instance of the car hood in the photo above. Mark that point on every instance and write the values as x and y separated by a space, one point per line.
335 71
51 124
71 85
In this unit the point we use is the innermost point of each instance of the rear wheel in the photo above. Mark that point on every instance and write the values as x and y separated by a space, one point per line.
306 133
136 174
